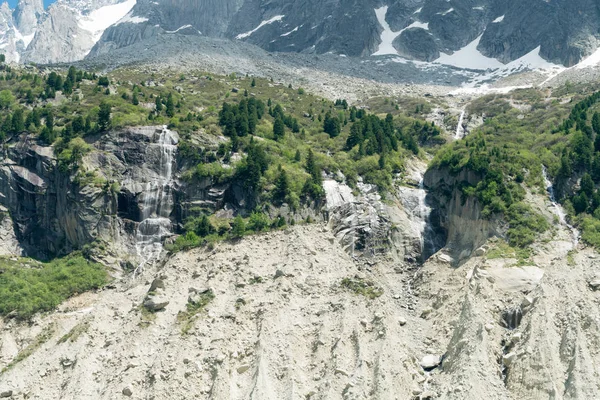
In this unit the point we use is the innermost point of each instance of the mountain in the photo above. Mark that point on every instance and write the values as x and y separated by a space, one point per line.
425 30
31 34
477 34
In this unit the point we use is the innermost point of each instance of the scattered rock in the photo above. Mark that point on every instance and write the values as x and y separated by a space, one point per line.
156 284
516 338
402 321
428 395
278 274
445 258
430 362
155 303
66 362
480 252
508 359
595 283
243 369
198 291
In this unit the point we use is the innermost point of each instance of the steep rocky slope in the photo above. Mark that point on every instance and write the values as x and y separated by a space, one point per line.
479 35
562 33
282 325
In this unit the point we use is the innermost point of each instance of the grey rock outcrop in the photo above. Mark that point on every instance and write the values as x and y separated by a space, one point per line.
49 45
417 43
27 15
508 29
462 220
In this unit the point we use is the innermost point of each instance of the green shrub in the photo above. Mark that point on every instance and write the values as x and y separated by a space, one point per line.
362 287
28 287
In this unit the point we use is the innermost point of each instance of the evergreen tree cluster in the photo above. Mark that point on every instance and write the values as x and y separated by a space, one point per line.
282 120
374 135
581 158
241 120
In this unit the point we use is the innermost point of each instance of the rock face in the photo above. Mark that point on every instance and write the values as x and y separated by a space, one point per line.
561 32
464 226
27 15
422 29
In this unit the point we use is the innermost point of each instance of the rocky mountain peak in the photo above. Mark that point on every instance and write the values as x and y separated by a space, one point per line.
27 15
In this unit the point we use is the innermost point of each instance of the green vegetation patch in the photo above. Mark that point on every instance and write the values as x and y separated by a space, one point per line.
28 286
195 305
75 333
502 250
362 287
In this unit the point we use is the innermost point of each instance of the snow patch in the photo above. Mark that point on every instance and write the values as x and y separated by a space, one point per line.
28 38
499 19
292 31
179 29
129 18
99 20
592 61
267 22
469 57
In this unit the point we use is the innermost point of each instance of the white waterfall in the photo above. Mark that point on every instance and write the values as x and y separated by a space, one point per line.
460 129
557 208
414 201
157 200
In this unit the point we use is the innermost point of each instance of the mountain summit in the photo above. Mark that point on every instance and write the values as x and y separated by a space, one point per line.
476 34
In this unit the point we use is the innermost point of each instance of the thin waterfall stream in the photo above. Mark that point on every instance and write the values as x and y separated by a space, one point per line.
414 200
157 200
557 208
460 129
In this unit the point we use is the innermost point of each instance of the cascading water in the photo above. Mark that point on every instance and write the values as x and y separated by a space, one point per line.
460 129
414 201
558 210
157 200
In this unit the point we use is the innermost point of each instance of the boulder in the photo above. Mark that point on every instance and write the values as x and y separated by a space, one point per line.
127 392
156 284
430 362
155 303
595 283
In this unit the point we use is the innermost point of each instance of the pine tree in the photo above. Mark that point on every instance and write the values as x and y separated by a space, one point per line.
204 227
170 106
104 116
159 105
17 121
331 125
253 84
238 228
587 185
278 129
134 99
282 187
241 124
355 136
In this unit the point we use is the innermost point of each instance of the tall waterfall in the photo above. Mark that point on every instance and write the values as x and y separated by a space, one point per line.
460 129
557 208
415 204
157 199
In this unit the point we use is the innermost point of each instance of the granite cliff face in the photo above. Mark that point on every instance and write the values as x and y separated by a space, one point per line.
562 33
497 31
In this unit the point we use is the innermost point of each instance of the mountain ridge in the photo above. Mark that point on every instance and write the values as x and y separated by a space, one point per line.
419 30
